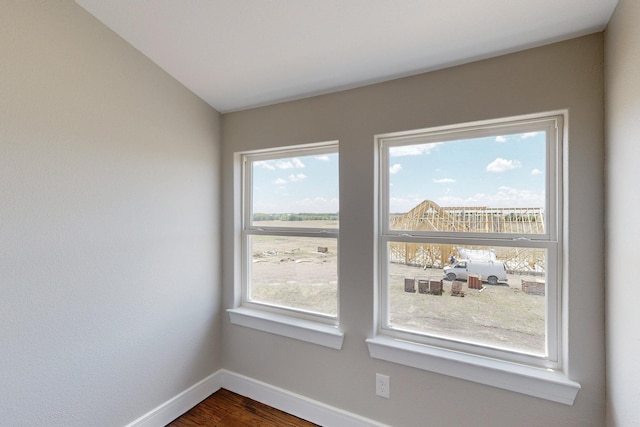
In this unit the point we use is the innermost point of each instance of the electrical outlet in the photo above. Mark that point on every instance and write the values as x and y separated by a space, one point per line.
382 385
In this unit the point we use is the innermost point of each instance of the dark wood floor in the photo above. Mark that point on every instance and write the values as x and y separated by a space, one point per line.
227 409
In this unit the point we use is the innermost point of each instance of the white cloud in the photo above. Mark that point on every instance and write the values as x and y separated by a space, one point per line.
280 181
404 204
412 150
323 158
501 165
297 177
290 164
504 197
525 135
536 172
284 165
444 180
397 167
264 164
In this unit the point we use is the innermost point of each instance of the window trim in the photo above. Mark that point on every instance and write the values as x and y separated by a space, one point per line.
287 326
317 328
548 384
540 377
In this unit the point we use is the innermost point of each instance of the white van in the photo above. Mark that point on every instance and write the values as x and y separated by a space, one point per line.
489 271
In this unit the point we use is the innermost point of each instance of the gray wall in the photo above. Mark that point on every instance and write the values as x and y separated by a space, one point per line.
109 213
564 75
622 226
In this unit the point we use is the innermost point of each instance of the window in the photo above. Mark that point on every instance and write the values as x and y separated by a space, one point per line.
470 249
289 241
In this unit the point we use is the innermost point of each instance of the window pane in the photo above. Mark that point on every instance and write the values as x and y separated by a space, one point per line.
485 185
295 272
493 296
300 191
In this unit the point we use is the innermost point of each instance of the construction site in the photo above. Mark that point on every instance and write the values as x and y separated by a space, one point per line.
429 216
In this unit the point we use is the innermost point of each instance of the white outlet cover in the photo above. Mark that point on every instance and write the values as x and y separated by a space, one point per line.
382 386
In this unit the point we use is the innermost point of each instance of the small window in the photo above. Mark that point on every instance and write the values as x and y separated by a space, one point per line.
472 214
290 232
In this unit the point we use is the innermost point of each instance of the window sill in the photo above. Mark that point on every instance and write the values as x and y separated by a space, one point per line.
303 330
538 382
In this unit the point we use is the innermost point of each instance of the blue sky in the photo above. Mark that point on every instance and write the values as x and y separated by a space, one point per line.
296 185
503 171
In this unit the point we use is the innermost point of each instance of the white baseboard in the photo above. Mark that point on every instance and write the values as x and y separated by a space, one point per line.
292 403
178 405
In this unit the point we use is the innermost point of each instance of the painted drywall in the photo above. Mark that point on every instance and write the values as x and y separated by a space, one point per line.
622 46
564 75
109 213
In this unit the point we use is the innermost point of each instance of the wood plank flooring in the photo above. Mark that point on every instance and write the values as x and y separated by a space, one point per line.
226 409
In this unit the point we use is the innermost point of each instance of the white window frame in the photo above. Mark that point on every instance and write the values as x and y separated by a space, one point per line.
316 328
543 377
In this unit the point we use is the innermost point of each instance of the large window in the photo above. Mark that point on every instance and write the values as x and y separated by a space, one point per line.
470 240
290 232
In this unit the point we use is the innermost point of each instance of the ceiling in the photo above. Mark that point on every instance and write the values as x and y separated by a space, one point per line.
237 54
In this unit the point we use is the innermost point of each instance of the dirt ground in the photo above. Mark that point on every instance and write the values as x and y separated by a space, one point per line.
296 272
301 273
499 315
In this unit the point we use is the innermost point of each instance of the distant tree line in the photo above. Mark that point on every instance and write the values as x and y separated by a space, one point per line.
296 217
